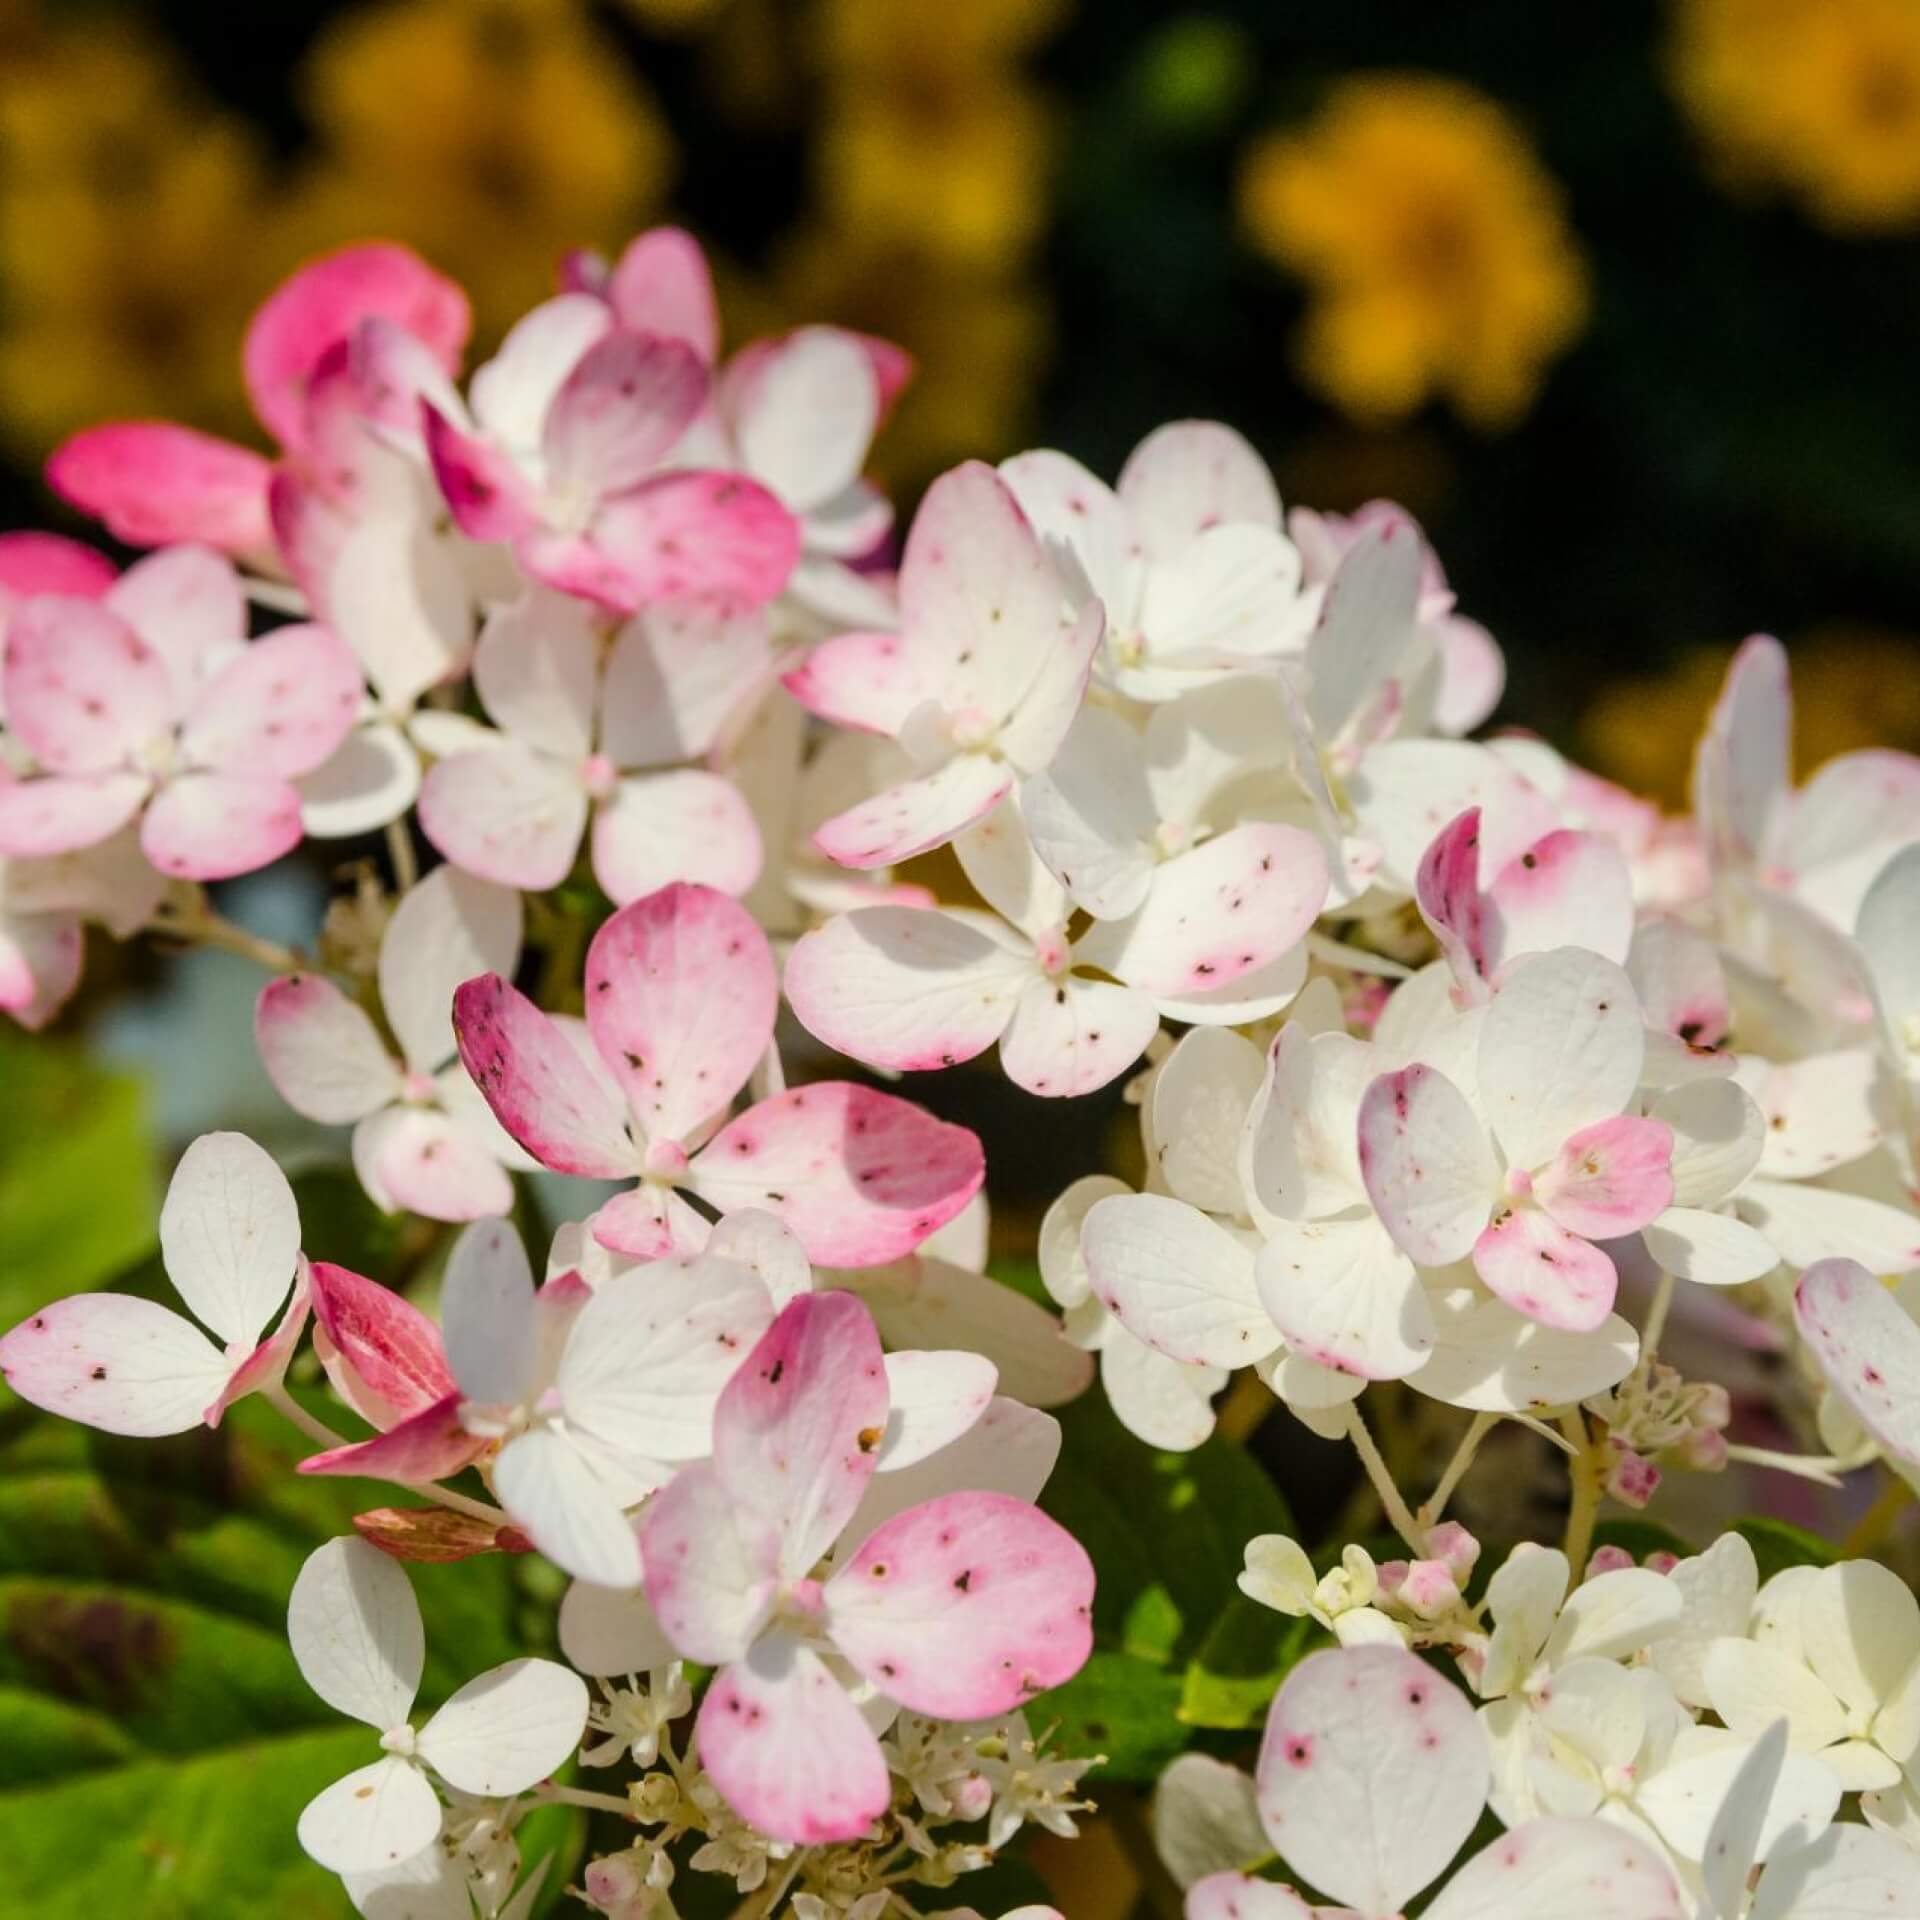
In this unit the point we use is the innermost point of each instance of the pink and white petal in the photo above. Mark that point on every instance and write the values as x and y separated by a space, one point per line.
568 1510
917 816
506 814
783 1741
711 1565
149 483
1233 1896
230 1235
1196 1115
538 1086
860 1177
1867 1347
82 690
35 563
1564 1869
1071 508
1166 1403
1842 826
321 1052
1372 1772
369 781
659 828
1367 641
1012 1450
1611 1178
41 955
981 604
397 1359
1545 1272
1233 592
1217 913
115 1362
536 669
488 496
681 996
373 1818
1741 771
1070 1035
625 402
965 1607
933 1397
414 1160
1447 890
1177 1279
187 604
804 411
513 393
1426 1164
492 1315
679 536
426 1446
1822 1111
605 1633
771 1253
1190 475
868 681
649 1222
1345 1297
1491 1359
446 929
1569 889
928 1302
508 1729
1676 971
661 285
1403 792
1561 1048
1092 818
677 678
799 1426
1473 675
323 303
55 815
1806 1223
1034 730
904 987
211 826
1712 1249
266 1366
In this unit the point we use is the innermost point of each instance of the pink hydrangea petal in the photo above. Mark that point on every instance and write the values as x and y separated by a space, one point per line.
41 955
323 303
149 482
54 816
869 681
786 1746
428 1445
918 815
1537 1267
797 1431
712 1566
628 399
485 492
685 825
1191 475
394 1350
861 1177
1867 1346
267 1364
321 1051
1610 1179
1743 764
36 563
280 707
211 826
1220 912
679 536
1447 889
1567 889
82 689
804 410
1072 1035
1233 1896
681 995
649 1223
1034 732
538 1086
186 602
414 1160
506 813
1426 1164
115 1362
661 285
965 1607
1345 1297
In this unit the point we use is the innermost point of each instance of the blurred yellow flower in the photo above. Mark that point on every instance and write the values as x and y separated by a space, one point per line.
1435 244
130 223
1819 96
493 135
931 137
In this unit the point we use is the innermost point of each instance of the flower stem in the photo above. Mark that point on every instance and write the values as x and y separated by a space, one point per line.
1481 1425
197 924
406 868
1391 1504
1879 1520
581 1797
1584 1507
1249 1400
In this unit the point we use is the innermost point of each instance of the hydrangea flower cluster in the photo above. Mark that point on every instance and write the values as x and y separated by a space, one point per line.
1461 1076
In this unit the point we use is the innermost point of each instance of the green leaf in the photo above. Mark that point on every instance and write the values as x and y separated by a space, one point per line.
78 1198
1239 1666
1118 1705
1778 1544
1167 1531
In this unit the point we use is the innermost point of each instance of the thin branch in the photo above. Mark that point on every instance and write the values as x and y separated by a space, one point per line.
197 924
1391 1504
406 868
1584 1507
1481 1425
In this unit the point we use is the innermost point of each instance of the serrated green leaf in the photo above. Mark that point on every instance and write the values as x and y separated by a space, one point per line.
1118 1705
1778 1544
